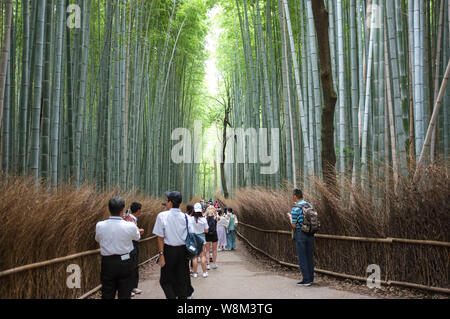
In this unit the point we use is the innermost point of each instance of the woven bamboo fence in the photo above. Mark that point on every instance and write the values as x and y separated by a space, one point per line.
421 264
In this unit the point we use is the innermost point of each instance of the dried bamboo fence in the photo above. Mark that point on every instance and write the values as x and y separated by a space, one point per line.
30 278
419 264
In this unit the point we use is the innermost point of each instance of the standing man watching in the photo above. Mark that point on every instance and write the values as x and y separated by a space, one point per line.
115 237
136 209
303 241
170 227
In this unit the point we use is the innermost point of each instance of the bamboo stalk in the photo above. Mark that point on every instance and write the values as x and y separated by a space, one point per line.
432 122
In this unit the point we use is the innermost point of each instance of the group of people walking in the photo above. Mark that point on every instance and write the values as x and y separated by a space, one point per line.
217 230
118 238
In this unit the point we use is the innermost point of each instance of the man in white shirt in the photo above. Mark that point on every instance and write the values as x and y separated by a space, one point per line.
115 237
171 229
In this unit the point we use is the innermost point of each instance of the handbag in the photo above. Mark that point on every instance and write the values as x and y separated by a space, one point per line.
194 243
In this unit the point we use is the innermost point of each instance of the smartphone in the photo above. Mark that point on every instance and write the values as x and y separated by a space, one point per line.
127 213
157 259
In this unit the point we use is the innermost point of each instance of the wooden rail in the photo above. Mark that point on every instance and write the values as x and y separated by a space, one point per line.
57 260
360 239
388 240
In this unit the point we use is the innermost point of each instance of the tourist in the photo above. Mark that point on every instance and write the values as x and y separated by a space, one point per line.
200 227
211 238
135 212
115 237
231 230
304 242
170 227
222 225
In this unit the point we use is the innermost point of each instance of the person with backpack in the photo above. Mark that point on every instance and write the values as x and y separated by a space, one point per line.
171 228
211 237
304 221
200 227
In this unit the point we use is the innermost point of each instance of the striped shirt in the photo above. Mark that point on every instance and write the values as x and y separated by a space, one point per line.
297 215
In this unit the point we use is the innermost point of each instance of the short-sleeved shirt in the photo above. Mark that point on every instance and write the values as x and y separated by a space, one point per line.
116 236
297 215
171 225
198 226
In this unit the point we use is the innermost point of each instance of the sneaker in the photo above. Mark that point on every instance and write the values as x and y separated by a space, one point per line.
304 284
132 294
137 291
208 267
195 275
205 274
215 266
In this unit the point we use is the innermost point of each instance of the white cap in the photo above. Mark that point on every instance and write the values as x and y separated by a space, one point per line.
198 207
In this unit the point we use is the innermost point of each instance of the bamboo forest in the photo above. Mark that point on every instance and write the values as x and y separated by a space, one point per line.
244 107
91 91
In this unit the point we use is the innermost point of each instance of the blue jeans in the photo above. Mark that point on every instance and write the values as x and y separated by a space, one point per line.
305 253
231 239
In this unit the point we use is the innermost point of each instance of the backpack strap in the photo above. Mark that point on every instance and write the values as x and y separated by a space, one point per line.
301 207
187 227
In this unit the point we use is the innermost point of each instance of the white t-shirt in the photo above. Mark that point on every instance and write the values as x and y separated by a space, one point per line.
116 236
199 226
171 225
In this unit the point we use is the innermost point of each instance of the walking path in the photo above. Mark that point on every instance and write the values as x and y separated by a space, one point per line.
238 278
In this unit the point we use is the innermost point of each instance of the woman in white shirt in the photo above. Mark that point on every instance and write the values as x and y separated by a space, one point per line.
199 227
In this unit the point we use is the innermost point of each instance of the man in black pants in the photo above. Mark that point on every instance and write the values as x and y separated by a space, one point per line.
115 237
170 227
135 212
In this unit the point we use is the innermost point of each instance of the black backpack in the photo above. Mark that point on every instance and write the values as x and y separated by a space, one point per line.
212 225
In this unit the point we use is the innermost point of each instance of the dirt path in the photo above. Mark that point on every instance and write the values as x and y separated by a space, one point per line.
239 278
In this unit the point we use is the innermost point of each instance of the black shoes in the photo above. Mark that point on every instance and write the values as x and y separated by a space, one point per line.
304 284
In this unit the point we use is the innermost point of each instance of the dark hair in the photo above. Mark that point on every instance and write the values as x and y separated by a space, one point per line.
175 198
197 215
135 207
298 193
230 209
175 203
116 205
190 210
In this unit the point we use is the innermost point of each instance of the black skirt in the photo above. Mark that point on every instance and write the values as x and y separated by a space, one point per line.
211 237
